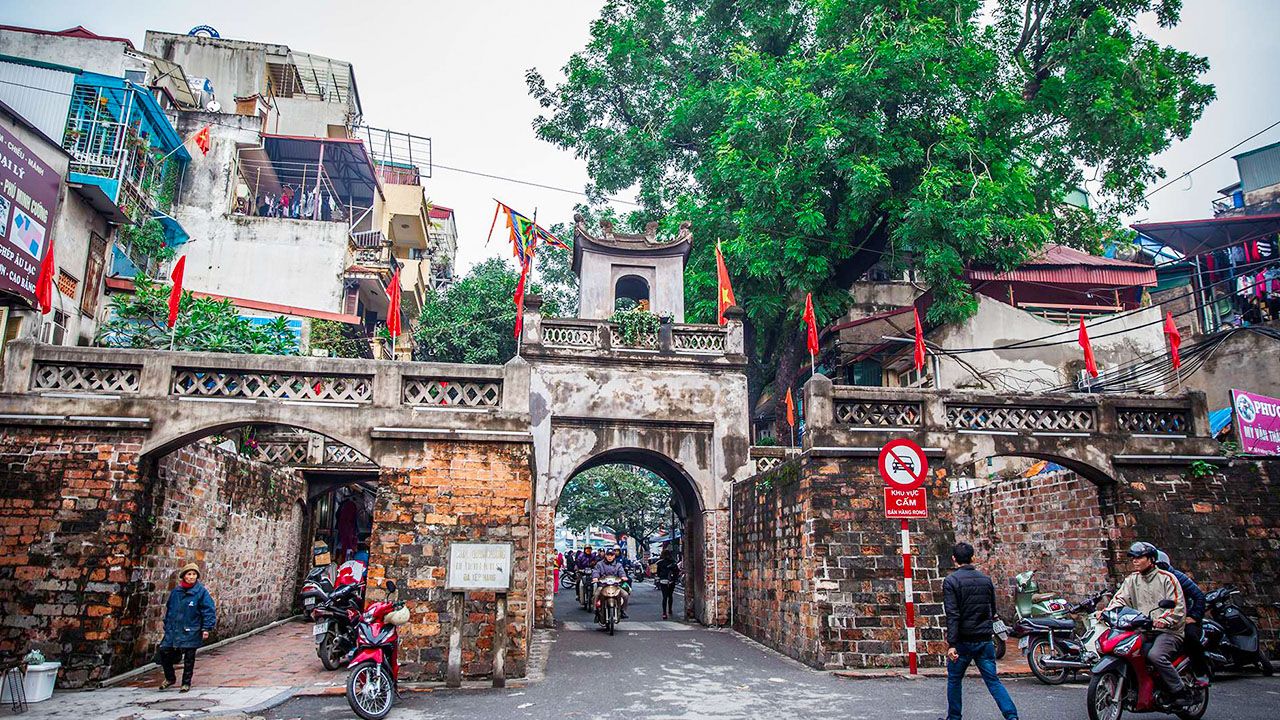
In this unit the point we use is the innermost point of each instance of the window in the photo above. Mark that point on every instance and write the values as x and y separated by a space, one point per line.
93 275
866 373
137 77
631 288
417 254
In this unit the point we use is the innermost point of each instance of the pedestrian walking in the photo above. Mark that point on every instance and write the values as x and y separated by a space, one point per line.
189 615
969 598
668 573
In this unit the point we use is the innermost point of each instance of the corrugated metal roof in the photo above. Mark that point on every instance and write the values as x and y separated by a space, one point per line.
42 95
1065 266
1259 168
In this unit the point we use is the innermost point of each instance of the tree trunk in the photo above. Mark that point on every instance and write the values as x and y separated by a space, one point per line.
789 369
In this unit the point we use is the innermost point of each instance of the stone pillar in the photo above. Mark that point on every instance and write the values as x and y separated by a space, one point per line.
532 323
819 411
544 543
715 539
734 340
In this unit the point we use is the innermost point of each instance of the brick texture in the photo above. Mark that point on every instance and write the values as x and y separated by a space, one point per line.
242 521
435 493
1051 523
88 543
544 566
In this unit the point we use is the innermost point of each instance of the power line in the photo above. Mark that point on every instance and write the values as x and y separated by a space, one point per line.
1215 157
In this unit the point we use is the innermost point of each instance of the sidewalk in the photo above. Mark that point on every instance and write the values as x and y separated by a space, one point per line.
246 676
1013 664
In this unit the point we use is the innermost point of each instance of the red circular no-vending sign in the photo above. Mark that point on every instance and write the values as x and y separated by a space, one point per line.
903 465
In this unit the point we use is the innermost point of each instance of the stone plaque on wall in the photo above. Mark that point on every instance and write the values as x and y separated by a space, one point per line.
479 567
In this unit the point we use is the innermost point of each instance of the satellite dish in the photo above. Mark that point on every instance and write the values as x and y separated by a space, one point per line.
213 106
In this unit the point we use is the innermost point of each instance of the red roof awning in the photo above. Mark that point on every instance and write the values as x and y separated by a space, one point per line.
1060 265
1191 237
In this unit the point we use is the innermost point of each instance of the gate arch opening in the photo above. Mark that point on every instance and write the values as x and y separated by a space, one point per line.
689 509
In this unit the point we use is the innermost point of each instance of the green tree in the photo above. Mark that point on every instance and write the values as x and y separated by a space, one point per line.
342 340
203 324
819 137
473 321
624 499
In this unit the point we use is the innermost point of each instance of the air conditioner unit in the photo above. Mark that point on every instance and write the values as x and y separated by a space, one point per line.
1088 383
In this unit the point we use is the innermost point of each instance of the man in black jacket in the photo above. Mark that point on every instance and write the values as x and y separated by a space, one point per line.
969 598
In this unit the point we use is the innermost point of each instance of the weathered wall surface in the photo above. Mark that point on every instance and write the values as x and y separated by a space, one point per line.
846 609
241 520
88 546
1051 523
434 493
69 501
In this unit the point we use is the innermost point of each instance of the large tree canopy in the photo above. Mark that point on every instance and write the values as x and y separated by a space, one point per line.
624 499
818 137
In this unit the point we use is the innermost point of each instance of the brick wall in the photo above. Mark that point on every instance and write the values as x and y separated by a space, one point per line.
241 520
433 493
544 566
844 608
1051 523
1221 528
68 504
88 544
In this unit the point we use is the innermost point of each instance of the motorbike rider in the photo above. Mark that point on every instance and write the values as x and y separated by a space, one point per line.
610 565
587 559
1143 590
1193 635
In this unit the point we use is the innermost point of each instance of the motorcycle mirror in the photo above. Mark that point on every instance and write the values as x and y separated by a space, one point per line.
1168 604
391 586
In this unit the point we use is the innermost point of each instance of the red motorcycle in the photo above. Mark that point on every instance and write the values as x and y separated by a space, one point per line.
375 668
1124 680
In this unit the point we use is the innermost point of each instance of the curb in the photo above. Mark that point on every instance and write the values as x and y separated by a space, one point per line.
128 674
891 673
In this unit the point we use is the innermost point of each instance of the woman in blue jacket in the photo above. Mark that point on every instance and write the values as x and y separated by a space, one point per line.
188 617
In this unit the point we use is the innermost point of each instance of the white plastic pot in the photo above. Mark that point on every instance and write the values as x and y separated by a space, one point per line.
37 683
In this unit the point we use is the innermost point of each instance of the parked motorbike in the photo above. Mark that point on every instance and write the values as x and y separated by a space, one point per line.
1053 648
316 588
999 636
335 624
1124 680
1028 601
609 604
1231 637
568 578
375 668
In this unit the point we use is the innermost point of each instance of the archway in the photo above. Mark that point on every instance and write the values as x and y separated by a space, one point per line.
633 288
1039 513
690 511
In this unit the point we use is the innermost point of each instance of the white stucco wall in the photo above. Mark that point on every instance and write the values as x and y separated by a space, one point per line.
1034 369
306 118
600 274
235 67
99 56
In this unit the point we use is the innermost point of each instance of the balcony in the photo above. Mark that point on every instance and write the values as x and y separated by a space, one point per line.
121 143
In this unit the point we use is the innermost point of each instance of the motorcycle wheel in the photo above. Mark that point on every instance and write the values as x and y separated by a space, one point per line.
1102 690
999 644
1195 712
369 691
329 651
1040 649
1264 663
609 620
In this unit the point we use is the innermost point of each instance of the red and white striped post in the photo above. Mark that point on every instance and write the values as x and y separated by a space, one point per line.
907 596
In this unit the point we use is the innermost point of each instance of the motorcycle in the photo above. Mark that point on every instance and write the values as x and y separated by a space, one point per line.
335 624
1231 637
375 668
609 605
1054 651
585 589
315 589
1123 680
999 636
1028 601
568 578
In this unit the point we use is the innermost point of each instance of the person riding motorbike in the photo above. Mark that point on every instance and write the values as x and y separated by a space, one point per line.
1143 590
1193 635
610 565
587 559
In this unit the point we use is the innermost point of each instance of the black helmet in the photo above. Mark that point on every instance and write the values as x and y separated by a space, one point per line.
1143 549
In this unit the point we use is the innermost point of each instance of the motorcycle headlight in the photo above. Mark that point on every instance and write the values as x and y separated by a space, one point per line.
1124 647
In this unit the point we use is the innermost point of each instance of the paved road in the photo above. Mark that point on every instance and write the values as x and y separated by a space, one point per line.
672 670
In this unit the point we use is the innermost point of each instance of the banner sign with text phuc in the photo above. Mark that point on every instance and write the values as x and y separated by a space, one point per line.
1257 422
28 200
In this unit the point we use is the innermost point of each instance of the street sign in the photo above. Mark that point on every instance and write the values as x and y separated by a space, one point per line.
903 465
479 567
906 504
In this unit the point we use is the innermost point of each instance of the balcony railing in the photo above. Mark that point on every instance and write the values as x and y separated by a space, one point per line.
368 239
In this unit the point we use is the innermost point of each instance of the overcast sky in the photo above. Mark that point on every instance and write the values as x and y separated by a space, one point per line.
454 71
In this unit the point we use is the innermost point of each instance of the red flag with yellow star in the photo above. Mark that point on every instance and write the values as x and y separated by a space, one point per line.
724 291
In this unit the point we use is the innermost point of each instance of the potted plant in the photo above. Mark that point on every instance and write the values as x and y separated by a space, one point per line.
37 679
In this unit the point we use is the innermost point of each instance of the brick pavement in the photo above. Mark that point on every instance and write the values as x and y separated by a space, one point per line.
282 656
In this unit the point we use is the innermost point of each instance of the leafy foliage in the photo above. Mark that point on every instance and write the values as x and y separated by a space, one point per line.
473 321
635 323
147 240
204 324
623 498
340 339
819 137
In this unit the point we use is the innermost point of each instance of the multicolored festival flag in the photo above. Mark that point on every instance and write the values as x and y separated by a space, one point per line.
1089 363
519 299
724 291
524 233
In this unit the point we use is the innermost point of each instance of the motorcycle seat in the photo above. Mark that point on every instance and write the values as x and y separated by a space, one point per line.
1041 597
1048 623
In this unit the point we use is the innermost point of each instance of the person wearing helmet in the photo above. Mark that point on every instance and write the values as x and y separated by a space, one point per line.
1143 591
610 565
1193 635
